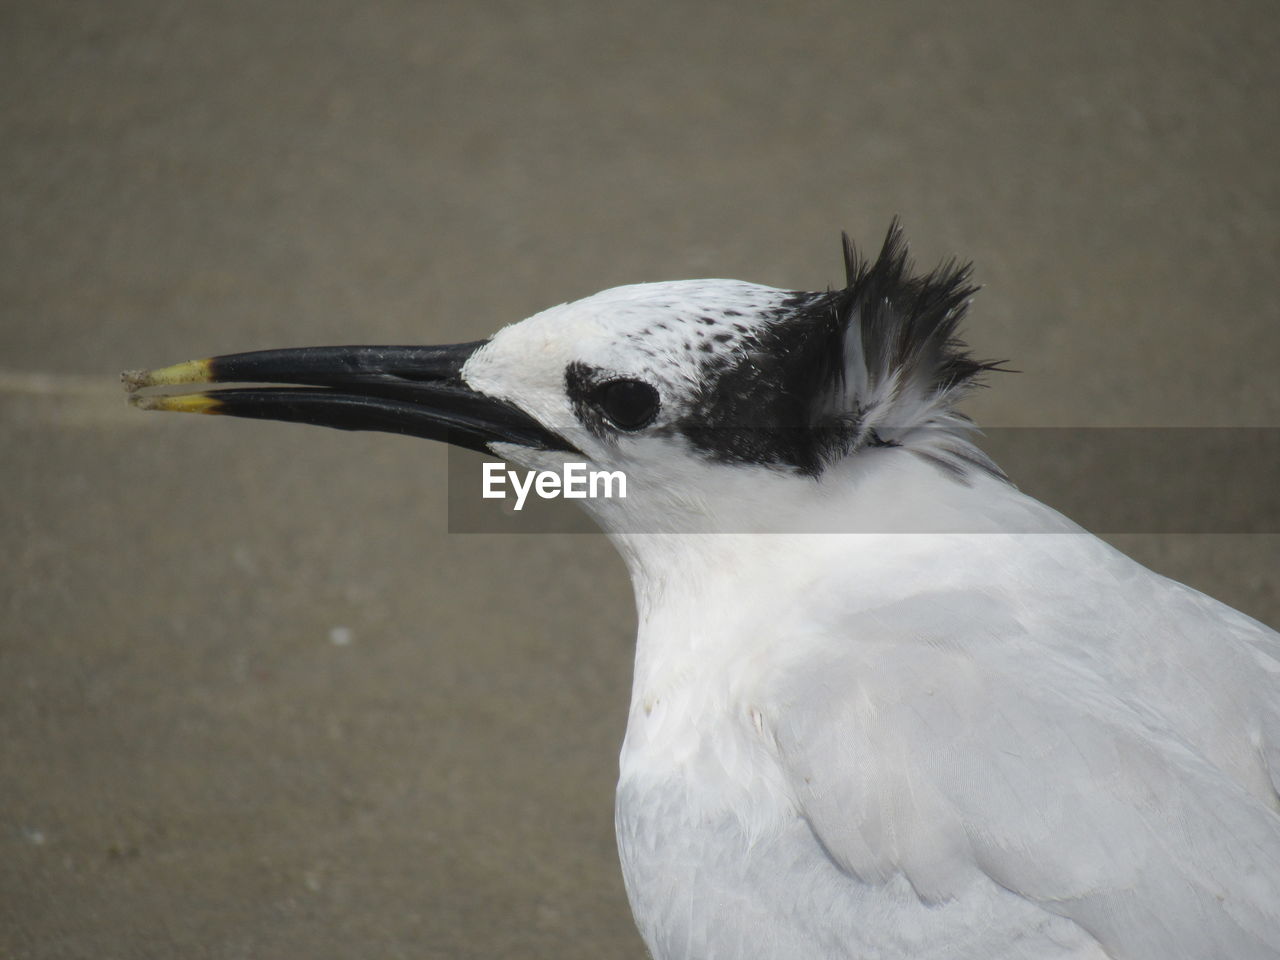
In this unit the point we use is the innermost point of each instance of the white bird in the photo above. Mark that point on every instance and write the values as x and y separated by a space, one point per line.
885 705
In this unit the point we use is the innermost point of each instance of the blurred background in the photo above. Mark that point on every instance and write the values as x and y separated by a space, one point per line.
255 700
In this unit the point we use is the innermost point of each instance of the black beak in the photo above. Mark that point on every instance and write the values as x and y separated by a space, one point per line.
416 391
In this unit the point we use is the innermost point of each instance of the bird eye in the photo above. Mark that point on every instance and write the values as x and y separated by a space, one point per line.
629 404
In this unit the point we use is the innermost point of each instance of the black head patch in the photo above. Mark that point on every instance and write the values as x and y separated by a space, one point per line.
830 373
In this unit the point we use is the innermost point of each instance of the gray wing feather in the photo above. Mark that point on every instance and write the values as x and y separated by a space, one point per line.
956 736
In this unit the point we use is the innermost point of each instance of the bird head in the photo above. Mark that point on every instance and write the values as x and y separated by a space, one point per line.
724 403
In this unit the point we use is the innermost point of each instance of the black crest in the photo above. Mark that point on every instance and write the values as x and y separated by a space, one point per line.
833 372
909 324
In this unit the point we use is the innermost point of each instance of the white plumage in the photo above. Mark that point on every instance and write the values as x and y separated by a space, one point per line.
973 731
946 746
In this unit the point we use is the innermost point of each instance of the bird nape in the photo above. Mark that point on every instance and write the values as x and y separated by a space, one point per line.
884 704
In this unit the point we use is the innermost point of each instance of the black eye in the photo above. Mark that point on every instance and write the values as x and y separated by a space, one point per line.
629 404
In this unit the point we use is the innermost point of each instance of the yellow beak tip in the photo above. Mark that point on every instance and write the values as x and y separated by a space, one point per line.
192 371
181 403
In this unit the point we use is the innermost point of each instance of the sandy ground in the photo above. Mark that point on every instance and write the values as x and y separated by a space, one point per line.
255 700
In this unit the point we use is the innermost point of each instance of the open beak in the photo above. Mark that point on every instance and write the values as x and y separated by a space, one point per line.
417 391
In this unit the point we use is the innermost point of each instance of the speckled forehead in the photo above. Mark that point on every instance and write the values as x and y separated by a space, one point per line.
684 326
672 332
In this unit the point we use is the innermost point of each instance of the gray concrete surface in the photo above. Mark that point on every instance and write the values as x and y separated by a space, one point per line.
190 766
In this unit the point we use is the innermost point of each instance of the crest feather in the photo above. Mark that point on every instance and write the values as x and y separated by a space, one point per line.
892 365
877 363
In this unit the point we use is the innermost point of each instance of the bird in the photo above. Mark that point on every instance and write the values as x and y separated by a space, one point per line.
884 703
